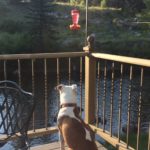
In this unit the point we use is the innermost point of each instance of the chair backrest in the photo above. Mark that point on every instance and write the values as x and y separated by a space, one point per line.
16 108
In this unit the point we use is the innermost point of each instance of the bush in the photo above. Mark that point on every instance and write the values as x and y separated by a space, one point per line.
104 3
134 48
75 2
147 2
11 26
15 43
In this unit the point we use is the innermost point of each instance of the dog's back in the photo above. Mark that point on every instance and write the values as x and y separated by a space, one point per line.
76 133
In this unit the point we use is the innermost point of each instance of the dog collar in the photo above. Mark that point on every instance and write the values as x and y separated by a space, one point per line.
68 105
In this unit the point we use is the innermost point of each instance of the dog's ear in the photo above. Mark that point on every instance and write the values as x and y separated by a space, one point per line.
74 86
59 87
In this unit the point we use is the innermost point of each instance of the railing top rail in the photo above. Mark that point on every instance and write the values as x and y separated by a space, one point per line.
42 55
123 59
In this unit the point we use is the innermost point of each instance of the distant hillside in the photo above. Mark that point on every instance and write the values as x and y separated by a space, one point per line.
115 32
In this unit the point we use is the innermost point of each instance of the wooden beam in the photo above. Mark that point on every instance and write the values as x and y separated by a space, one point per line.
42 55
43 131
123 59
111 139
31 133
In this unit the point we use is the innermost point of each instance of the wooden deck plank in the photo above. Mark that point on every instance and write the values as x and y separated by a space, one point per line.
56 146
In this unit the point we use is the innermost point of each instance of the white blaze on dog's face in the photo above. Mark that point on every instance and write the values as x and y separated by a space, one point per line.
68 94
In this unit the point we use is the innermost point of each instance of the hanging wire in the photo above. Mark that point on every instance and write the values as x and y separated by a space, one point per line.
74 4
86 23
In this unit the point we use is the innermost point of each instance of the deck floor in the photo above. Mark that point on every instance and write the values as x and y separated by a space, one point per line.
56 146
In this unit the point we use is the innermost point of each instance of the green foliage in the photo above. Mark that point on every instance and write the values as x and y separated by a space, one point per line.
133 141
147 2
3 8
15 2
104 3
76 2
82 2
14 43
130 47
129 6
40 20
133 6
11 26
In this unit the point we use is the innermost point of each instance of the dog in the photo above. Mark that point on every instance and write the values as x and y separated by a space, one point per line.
74 132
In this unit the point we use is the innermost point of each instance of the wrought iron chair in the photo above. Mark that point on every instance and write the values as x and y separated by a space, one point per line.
16 109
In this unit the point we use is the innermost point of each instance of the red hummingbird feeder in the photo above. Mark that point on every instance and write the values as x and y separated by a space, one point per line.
75 19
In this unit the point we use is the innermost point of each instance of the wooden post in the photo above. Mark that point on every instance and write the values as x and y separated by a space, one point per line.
90 82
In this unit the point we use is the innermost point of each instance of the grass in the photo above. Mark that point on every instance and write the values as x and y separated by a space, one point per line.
143 143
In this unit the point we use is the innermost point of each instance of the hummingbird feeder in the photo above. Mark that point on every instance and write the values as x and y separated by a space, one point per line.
75 19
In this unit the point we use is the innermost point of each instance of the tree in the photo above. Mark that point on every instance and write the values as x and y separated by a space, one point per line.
75 2
130 6
41 21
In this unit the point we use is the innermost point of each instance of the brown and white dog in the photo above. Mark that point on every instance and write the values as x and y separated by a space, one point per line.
75 133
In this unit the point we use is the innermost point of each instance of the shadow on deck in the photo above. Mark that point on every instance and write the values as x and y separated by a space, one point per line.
56 146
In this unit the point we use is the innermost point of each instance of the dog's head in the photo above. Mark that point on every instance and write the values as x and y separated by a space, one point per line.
68 94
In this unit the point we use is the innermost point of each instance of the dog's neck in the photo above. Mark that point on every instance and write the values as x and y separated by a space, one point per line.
68 105
66 98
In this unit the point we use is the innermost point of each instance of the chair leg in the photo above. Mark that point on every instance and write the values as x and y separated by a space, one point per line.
2 144
23 143
27 143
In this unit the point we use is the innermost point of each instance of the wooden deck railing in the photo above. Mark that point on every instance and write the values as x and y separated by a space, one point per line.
105 77
100 68
39 73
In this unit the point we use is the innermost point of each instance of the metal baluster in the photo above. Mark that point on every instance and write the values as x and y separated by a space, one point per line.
58 74
112 98
33 90
98 93
149 138
69 71
81 68
58 79
129 106
46 97
104 95
139 109
120 102
19 72
5 70
5 78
